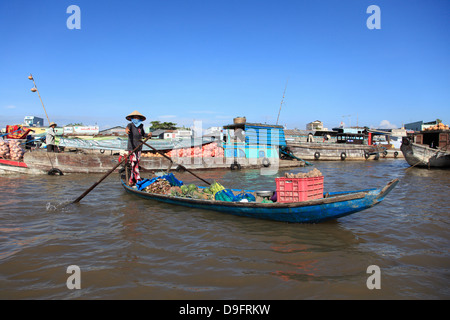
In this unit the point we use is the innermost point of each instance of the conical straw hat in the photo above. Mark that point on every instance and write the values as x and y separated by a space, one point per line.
51 124
135 113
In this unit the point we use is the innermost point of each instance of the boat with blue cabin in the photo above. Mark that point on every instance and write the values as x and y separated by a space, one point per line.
253 142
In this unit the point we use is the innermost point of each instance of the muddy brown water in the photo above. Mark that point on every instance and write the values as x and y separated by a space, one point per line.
130 248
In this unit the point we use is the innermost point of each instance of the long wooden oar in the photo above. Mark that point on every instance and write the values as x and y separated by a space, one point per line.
109 172
171 161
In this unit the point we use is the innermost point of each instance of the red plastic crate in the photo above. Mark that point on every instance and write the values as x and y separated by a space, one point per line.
299 189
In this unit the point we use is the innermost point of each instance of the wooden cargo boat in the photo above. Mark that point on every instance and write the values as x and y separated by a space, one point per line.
344 146
42 162
332 206
100 156
333 151
427 149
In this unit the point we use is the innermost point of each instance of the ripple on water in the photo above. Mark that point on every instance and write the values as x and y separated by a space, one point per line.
129 247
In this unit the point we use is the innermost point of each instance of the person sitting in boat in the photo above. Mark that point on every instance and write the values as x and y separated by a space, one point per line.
135 132
50 138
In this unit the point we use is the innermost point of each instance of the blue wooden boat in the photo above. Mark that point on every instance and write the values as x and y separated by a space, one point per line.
332 206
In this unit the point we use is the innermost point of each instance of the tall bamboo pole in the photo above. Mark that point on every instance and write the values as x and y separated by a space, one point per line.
31 78
282 100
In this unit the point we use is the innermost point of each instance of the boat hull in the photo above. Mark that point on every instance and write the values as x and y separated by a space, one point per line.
13 167
422 156
41 162
333 151
335 206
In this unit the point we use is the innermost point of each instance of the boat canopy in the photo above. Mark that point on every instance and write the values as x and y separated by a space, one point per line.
121 144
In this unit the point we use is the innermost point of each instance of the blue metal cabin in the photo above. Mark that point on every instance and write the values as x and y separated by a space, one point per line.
253 140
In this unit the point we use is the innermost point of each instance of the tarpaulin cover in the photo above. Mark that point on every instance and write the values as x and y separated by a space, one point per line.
174 182
225 195
228 195
17 132
245 195
121 144
144 183
107 144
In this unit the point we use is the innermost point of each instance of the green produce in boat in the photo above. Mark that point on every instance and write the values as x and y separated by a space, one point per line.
207 190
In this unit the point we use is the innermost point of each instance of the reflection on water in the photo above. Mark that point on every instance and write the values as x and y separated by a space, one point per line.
128 247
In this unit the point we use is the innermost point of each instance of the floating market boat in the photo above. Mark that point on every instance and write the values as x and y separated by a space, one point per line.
333 205
99 155
42 162
428 148
333 152
339 146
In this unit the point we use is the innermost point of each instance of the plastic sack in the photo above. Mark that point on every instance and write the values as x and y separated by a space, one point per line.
225 195
174 182
144 183
247 196
228 195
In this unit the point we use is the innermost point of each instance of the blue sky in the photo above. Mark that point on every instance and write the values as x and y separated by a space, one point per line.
213 60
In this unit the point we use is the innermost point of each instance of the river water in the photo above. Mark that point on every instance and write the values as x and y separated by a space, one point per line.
130 248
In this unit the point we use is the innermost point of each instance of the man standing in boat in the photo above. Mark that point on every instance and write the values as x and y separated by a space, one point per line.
135 132
50 138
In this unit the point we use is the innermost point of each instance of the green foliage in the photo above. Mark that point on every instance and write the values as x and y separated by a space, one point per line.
155 125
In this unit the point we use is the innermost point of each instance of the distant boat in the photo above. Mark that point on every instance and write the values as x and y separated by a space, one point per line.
42 162
336 145
427 149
